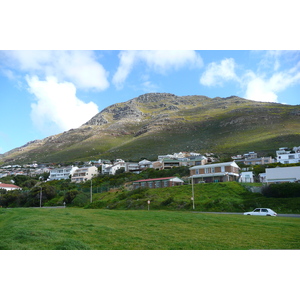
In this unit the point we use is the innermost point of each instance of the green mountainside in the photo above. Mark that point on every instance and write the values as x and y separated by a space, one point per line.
161 123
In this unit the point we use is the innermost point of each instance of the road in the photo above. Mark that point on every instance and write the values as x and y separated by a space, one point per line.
236 213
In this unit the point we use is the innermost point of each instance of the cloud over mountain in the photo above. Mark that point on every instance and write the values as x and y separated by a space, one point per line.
57 108
160 61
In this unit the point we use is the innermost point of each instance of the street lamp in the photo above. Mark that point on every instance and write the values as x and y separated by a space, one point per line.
41 193
92 189
193 194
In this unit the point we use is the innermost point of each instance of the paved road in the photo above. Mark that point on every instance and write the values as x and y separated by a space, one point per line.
236 213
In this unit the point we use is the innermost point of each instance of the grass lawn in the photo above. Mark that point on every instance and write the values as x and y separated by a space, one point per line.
75 228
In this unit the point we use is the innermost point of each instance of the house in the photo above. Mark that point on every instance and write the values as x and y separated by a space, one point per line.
158 182
110 169
157 165
9 187
219 172
173 163
62 173
285 156
145 164
258 161
262 177
84 174
246 177
132 167
285 174
198 160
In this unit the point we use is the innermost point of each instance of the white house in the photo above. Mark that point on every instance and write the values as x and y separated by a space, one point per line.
62 173
246 177
84 174
285 156
285 174
219 172
262 177
110 169
145 164
9 187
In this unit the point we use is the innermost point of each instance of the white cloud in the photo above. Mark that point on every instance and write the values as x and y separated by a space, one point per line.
79 67
260 88
216 74
160 61
57 108
262 85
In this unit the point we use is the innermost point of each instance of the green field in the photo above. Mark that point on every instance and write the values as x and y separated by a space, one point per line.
83 229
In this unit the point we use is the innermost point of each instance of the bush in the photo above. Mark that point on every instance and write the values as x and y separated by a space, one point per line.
282 190
167 201
70 196
81 200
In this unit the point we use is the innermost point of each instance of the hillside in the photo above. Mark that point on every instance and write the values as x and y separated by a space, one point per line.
161 123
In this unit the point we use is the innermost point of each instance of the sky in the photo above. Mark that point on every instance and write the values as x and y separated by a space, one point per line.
46 92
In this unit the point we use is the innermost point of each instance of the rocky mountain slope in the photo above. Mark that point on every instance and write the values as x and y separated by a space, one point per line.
160 123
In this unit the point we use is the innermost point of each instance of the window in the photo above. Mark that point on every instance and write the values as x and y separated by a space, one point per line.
257 210
264 210
207 170
197 171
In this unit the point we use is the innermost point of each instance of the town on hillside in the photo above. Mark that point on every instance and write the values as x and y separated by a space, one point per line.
205 168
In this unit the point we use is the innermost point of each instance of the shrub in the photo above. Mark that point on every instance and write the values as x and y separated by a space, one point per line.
81 200
282 190
70 196
167 202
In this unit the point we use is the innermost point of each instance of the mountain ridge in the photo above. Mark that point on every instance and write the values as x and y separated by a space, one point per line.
159 123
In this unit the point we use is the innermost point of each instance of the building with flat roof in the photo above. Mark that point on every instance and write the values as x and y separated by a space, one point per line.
158 182
285 174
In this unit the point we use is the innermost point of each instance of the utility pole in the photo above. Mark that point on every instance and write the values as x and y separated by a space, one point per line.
41 194
92 189
193 195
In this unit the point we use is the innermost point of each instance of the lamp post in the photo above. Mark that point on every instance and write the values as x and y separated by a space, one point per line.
41 194
193 194
91 189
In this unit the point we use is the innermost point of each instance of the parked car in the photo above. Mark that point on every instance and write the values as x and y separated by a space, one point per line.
261 212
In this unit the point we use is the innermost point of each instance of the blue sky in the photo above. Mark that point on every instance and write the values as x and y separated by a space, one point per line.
47 92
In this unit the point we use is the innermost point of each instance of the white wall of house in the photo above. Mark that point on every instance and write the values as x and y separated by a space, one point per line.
84 174
9 187
62 173
285 174
246 177
288 158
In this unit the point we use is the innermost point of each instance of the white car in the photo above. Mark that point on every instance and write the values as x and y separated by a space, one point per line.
261 212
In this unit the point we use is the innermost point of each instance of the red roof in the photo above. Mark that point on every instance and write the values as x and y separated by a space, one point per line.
6 185
155 179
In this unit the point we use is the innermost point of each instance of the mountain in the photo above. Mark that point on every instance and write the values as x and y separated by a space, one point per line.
161 123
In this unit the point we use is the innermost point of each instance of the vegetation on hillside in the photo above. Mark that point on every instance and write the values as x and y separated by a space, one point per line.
115 192
153 124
